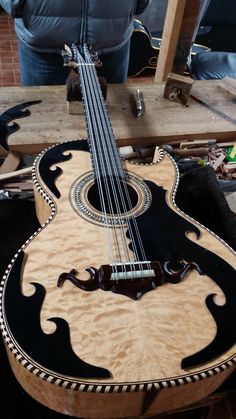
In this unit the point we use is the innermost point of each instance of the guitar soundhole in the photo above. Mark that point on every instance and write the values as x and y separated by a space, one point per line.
112 197
125 199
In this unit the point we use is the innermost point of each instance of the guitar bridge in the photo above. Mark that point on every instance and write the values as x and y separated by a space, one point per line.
132 279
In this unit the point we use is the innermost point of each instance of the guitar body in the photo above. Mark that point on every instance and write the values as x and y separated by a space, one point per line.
144 50
107 353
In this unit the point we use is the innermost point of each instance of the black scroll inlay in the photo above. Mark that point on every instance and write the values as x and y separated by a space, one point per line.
55 155
8 116
52 351
163 233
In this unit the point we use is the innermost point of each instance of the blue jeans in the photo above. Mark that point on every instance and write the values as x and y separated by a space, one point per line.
41 69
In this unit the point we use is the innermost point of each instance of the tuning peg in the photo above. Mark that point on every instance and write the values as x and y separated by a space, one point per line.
95 59
67 55
66 58
68 50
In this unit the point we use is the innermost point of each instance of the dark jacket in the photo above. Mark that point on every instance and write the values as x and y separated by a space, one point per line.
46 25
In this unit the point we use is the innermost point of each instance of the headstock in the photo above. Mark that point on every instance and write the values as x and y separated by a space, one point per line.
75 56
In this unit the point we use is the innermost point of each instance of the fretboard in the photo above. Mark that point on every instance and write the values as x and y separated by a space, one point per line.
104 153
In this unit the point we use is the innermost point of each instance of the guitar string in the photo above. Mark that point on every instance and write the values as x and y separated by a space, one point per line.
115 156
98 131
101 131
114 152
116 165
94 146
113 207
90 139
95 115
109 158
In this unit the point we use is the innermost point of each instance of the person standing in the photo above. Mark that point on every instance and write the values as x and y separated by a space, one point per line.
43 27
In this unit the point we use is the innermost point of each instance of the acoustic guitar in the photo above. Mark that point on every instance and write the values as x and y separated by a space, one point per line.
144 50
120 305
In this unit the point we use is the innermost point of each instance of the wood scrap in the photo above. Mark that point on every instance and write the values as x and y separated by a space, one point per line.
228 84
19 186
20 172
11 162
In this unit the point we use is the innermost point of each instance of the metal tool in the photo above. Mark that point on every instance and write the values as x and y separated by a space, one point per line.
137 103
9 115
213 109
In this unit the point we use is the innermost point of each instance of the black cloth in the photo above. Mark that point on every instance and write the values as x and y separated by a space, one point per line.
209 65
200 196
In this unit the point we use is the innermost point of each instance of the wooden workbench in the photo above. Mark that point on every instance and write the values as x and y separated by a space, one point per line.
164 121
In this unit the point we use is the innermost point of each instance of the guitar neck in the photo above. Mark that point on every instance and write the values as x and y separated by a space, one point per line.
104 153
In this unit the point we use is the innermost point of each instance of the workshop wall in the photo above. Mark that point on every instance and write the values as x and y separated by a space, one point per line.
9 65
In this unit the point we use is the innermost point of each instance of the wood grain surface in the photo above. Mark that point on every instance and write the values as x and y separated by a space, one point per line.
164 121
